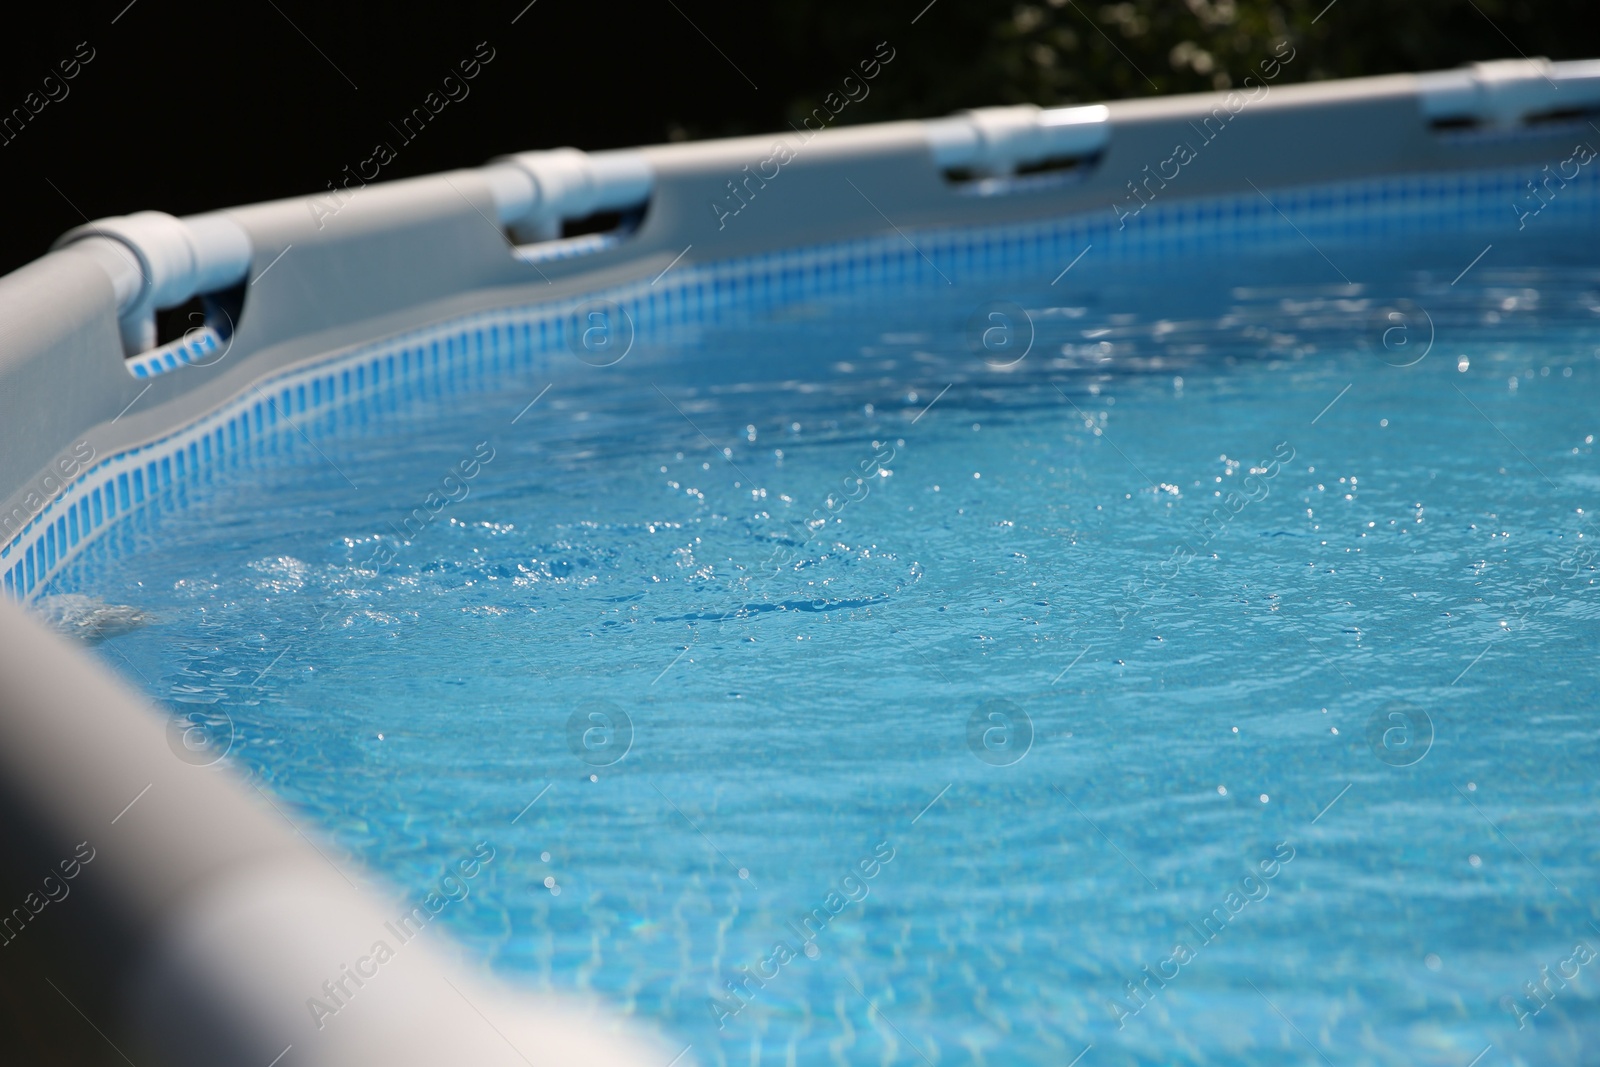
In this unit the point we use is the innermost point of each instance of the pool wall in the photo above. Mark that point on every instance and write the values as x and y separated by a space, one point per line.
325 276
347 294
182 916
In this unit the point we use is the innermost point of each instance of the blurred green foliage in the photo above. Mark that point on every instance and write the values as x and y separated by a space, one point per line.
967 53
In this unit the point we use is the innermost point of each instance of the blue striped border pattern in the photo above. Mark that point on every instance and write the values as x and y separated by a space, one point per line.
498 342
191 348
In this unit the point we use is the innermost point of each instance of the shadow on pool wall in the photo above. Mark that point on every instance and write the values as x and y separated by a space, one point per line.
418 284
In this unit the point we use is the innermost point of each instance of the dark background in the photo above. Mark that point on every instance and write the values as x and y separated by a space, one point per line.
189 107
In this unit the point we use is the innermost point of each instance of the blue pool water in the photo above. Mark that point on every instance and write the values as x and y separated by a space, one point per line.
1242 630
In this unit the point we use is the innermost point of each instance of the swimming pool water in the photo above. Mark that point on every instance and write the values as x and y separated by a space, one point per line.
1212 684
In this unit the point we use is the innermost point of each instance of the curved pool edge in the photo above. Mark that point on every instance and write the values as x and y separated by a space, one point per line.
399 255
182 915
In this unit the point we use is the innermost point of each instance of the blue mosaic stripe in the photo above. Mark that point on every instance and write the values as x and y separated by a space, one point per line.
567 248
489 344
192 347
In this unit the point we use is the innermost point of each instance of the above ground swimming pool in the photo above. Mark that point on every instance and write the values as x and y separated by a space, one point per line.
1205 683
977 633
